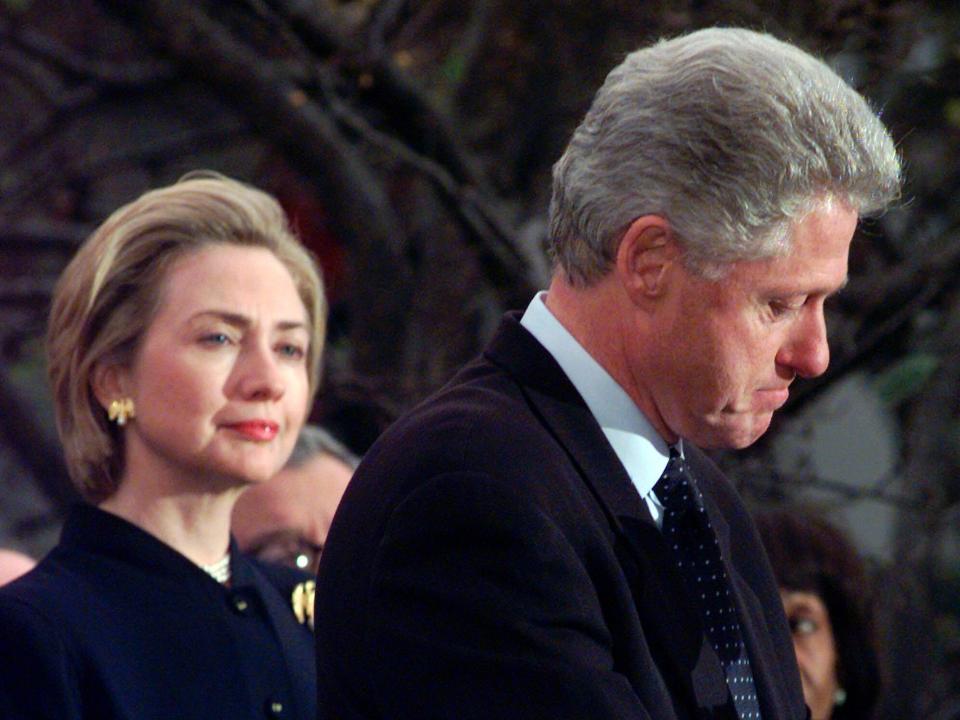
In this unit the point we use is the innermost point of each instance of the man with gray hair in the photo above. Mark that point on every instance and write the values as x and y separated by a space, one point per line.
286 519
544 537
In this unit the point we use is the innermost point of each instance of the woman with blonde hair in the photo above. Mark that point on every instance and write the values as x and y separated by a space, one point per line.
184 348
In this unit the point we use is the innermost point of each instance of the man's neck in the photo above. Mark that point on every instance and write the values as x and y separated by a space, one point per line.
601 318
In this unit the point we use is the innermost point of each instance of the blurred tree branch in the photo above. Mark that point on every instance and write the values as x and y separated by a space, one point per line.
56 54
375 75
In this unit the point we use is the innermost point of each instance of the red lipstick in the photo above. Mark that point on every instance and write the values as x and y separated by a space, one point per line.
261 430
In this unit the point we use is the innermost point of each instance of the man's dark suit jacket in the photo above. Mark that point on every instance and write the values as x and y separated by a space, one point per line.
492 559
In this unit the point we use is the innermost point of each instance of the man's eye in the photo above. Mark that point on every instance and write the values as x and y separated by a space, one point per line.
802 626
781 308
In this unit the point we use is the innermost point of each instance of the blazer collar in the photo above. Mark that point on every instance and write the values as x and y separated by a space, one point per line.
566 415
97 531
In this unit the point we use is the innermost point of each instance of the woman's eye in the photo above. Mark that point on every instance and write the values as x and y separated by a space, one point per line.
802 626
216 339
292 351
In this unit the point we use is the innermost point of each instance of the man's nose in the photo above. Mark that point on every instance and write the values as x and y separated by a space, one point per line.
806 350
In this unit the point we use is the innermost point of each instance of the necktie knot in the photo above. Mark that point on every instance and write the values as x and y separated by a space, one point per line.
676 489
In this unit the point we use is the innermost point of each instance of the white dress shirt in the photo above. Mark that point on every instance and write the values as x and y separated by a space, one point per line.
641 450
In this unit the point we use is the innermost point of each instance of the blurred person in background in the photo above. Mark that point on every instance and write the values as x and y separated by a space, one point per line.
286 519
13 564
826 597
183 346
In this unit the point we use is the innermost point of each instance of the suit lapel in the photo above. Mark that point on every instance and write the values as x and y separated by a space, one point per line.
769 683
671 622
564 413
768 673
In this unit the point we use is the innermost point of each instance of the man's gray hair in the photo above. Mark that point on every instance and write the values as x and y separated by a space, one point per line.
731 136
313 440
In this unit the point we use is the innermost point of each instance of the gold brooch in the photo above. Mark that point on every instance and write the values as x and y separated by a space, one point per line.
302 601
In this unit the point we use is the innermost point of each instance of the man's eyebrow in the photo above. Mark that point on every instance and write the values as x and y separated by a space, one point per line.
243 322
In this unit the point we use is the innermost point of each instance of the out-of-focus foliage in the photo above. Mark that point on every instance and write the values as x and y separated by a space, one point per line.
905 378
16 5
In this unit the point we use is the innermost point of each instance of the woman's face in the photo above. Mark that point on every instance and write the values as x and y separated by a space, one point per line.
220 378
815 648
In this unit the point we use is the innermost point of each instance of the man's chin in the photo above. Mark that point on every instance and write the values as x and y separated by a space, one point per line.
734 433
760 426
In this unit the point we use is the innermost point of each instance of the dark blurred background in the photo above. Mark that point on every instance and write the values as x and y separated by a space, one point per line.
411 143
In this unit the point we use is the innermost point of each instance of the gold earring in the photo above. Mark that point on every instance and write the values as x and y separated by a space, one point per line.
121 411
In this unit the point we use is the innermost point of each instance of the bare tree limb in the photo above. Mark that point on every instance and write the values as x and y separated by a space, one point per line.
51 156
128 74
415 118
40 235
507 266
359 207
317 25
279 107
425 12
493 238
475 36
922 282
70 103
30 72
384 15
878 491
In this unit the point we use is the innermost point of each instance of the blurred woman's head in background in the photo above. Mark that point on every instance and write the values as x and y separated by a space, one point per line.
825 595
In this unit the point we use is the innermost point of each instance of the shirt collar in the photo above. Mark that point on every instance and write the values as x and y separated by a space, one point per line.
639 447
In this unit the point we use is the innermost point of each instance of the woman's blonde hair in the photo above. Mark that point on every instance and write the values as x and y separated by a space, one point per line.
106 298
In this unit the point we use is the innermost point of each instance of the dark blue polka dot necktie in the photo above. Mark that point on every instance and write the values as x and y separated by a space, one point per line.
693 542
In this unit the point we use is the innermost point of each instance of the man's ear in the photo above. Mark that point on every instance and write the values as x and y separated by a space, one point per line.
647 250
109 383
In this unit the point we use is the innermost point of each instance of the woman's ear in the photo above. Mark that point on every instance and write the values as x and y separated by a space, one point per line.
109 382
647 251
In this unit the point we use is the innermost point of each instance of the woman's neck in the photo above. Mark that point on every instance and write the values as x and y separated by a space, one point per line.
195 524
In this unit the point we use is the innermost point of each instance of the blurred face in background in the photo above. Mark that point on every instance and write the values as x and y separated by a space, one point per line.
816 650
286 519
13 565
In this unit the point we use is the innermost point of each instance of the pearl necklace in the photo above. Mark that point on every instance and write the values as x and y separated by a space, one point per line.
220 570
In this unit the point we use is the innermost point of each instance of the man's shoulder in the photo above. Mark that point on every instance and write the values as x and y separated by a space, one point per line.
481 424
481 405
